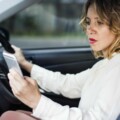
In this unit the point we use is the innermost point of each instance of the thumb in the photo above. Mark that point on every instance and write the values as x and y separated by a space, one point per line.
15 47
30 80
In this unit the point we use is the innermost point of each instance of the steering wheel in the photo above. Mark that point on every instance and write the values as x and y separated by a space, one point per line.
5 81
7 100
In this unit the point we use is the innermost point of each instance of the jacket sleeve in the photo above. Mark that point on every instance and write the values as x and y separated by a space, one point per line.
106 106
50 110
69 85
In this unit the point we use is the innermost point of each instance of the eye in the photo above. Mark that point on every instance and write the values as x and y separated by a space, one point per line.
100 23
87 22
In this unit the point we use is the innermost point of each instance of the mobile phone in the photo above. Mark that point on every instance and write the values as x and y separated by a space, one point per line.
11 62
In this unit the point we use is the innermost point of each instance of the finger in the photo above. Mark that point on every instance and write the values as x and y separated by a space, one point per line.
30 81
12 81
13 91
16 75
17 51
15 47
15 86
17 80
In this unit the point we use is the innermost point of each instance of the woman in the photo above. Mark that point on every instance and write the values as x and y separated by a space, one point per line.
98 87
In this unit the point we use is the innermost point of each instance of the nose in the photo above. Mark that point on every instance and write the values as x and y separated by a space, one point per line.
91 29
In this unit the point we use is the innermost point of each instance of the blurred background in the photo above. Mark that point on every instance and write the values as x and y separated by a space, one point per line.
53 22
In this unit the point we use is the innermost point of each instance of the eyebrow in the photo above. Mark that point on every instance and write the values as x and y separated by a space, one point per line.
95 18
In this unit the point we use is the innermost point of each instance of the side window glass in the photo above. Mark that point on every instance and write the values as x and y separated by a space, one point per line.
47 24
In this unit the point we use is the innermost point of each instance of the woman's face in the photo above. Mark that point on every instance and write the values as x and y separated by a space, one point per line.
99 35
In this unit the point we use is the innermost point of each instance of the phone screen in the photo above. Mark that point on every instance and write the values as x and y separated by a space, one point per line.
11 62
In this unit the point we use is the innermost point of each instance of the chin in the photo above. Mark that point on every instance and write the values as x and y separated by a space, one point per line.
96 49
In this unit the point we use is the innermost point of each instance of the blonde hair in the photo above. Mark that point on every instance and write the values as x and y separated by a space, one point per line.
109 12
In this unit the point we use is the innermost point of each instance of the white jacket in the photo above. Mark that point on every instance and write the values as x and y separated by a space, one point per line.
98 88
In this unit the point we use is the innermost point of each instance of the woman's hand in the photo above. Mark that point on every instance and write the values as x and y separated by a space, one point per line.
19 55
25 89
21 59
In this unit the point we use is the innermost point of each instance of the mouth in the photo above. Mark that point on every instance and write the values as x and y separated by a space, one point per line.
92 41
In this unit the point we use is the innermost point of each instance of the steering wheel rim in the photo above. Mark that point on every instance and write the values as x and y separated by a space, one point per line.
7 100
5 89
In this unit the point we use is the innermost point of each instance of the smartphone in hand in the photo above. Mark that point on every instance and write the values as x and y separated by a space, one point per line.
11 62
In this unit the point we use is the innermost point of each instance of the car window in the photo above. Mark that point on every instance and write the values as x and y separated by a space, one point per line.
47 24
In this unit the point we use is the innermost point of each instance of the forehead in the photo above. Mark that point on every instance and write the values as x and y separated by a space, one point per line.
92 13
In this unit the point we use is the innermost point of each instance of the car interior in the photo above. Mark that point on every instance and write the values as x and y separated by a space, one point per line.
65 60
71 59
